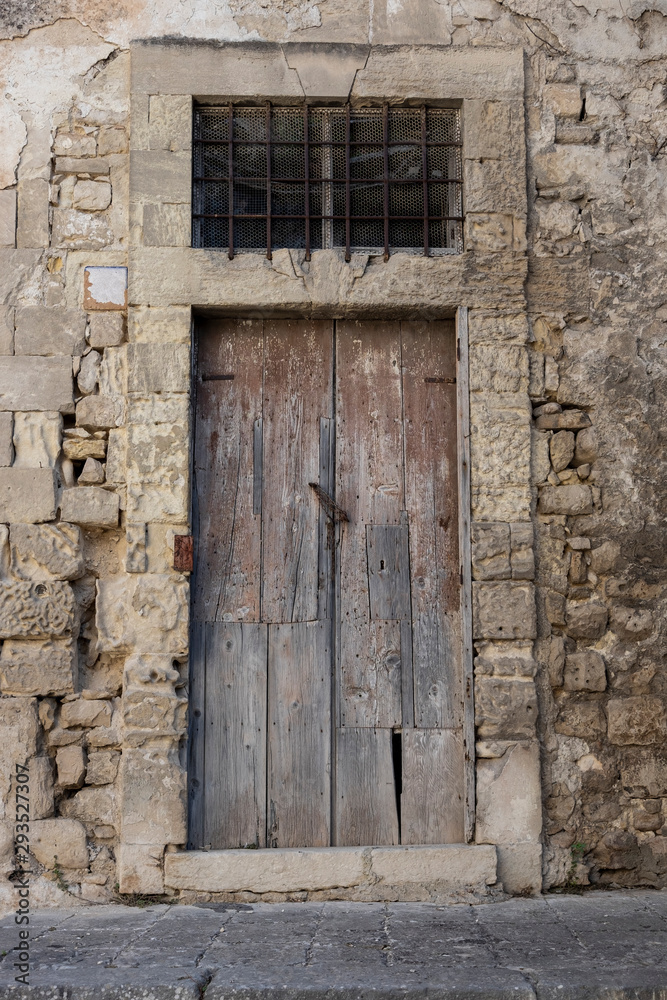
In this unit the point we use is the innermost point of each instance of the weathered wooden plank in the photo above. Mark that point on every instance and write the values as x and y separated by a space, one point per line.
388 559
369 486
379 657
365 797
235 764
257 466
299 768
407 676
463 425
432 796
429 399
327 530
196 736
298 390
226 585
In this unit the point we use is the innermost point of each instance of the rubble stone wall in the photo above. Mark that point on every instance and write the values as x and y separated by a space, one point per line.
565 248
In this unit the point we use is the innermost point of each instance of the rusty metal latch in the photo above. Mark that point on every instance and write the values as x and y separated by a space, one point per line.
332 510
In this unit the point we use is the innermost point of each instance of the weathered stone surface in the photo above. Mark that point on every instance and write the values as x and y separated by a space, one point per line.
561 449
85 713
89 372
509 796
571 420
490 551
505 708
566 500
8 218
91 196
522 557
504 611
92 473
586 448
37 438
638 720
585 720
36 609
102 767
605 557
585 672
145 613
97 413
500 426
159 325
81 449
461 867
153 797
6 442
157 485
505 659
41 788
92 806
47 330
135 559
585 620
61 839
38 667
19 728
107 329
90 506
74 144
158 368
45 552
36 384
71 765
77 165
631 623
520 868
140 868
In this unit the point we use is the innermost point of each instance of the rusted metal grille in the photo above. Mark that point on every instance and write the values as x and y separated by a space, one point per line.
368 180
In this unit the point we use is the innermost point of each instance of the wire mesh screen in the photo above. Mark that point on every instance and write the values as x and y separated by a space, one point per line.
367 180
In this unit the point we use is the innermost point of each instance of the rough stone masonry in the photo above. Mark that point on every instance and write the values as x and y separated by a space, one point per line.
567 369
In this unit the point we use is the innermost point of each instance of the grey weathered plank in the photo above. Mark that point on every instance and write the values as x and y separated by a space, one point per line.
365 795
235 763
257 466
226 584
327 530
369 486
196 736
432 796
429 397
463 425
388 559
298 391
299 767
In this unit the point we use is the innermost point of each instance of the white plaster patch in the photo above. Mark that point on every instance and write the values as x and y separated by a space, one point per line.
105 287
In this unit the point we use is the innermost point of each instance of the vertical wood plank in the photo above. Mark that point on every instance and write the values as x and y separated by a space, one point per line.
432 796
196 736
369 486
226 584
327 532
463 425
365 802
429 397
299 770
388 561
235 765
298 391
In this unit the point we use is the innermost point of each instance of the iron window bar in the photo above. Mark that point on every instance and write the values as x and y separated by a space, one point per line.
372 180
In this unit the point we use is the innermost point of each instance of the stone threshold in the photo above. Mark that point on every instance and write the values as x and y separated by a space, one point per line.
374 873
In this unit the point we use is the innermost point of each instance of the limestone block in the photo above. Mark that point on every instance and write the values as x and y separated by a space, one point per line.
522 558
84 712
27 495
159 408
19 729
645 774
41 788
92 473
498 368
278 870
112 139
504 610
505 708
500 426
461 867
81 449
38 667
148 714
45 552
153 797
167 225
631 623
161 176
42 330
585 671
39 609
135 559
97 413
170 122
107 329
114 371
576 499
505 659
586 447
7 329
639 720
6 442
604 559
76 165
145 613
71 764
554 607
32 228
487 127
555 660
73 230
36 383
74 144
116 456
509 798
92 805
570 420
90 506
157 489
520 868
493 327
158 368
140 869
61 839
157 326
585 620
491 232
490 551
37 440
564 99
540 458
102 767
561 449
89 372
8 217
585 720
91 196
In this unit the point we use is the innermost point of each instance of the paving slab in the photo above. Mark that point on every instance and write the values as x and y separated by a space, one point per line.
596 946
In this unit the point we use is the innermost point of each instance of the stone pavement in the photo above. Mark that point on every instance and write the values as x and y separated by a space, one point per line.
610 945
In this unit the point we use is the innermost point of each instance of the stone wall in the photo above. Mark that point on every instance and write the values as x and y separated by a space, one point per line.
566 422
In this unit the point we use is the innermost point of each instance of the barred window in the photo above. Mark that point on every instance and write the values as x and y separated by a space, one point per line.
371 180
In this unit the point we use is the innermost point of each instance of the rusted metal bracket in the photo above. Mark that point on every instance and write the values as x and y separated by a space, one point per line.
183 553
331 508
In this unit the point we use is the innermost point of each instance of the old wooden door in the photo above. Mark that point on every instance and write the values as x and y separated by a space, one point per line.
326 692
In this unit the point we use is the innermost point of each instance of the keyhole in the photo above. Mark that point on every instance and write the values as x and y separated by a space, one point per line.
381 563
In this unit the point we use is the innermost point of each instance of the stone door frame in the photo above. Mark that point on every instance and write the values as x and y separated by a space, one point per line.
483 288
